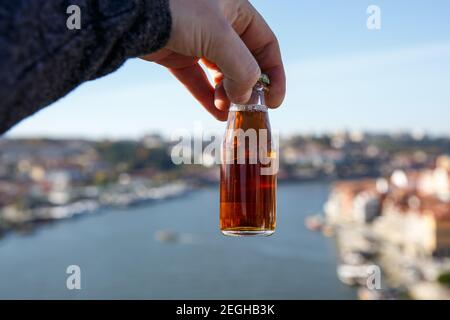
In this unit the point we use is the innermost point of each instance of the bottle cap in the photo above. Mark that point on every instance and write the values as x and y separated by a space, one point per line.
263 82
264 79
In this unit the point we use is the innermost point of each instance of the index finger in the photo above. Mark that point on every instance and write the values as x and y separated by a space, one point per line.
263 44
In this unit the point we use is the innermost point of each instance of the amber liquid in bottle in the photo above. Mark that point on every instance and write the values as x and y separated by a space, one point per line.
247 192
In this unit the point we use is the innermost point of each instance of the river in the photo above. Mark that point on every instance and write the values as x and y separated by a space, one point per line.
120 258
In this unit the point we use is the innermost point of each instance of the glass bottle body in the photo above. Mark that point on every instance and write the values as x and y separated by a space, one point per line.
248 182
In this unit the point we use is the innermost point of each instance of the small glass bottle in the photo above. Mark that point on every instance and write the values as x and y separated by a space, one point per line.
248 180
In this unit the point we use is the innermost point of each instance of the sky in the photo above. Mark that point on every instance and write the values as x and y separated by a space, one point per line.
340 75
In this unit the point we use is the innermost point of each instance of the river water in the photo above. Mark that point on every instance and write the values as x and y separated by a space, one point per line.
120 258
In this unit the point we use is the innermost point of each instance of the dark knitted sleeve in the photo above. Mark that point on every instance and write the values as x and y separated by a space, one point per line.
41 60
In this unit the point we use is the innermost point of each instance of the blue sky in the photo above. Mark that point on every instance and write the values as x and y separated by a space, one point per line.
340 76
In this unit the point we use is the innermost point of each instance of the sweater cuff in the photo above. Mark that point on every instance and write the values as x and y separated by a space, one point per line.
154 31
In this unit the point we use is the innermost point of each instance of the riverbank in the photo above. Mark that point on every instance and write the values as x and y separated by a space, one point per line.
391 235
13 219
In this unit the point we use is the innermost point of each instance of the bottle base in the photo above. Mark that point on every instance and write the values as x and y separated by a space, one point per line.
247 233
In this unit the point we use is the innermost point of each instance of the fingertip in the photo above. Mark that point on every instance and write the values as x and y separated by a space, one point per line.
240 99
274 101
277 89
195 80
240 91
222 116
221 100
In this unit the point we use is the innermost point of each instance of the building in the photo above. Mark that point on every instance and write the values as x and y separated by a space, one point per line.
418 226
353 201
410 210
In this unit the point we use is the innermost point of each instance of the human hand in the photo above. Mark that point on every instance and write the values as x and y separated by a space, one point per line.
232 40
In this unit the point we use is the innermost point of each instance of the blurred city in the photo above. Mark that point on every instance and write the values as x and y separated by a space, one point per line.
43 179
389 202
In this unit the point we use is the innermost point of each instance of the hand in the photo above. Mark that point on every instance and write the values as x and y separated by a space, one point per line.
232 40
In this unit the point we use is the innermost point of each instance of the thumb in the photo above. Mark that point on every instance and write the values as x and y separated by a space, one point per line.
236 62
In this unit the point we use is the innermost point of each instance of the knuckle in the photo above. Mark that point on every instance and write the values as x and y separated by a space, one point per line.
216 37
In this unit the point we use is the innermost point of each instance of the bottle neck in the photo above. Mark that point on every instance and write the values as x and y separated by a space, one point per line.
255 103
